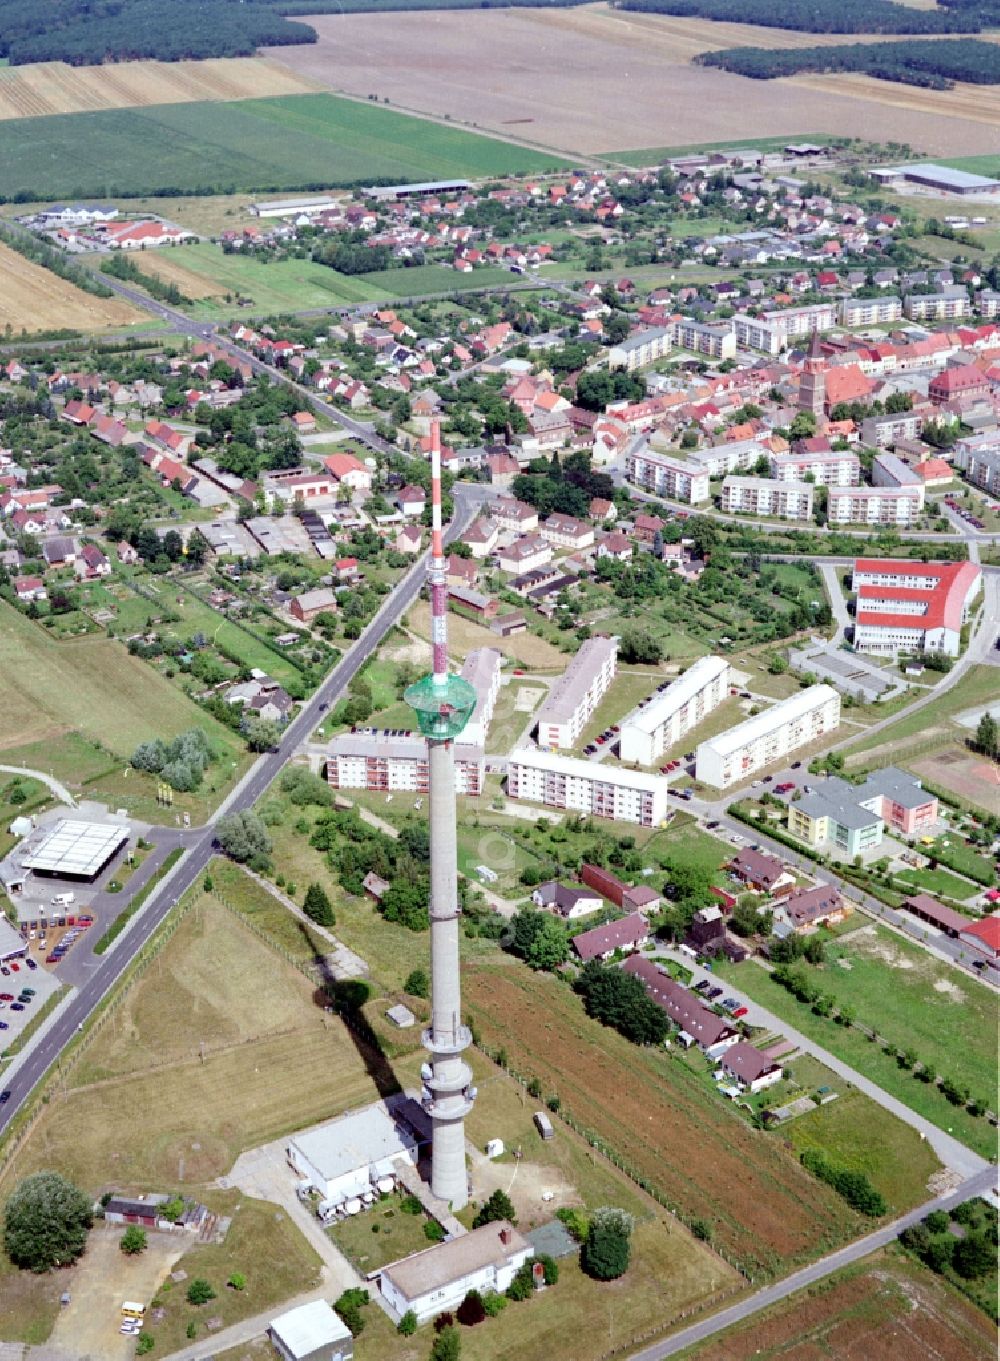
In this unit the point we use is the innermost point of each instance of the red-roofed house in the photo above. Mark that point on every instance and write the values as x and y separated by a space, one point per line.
91 563
984 938
966 380
348 471
913 606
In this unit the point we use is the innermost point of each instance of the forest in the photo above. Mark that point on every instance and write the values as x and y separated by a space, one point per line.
933 65
91 32
833 16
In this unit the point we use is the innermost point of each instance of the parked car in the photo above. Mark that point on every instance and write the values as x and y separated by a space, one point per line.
729 1004
17 1006
796 765
740 1011
4 1097
715 992
712 825
32 964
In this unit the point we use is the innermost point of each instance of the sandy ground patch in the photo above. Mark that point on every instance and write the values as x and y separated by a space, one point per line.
50 87
525 1182
87 1329
526 699
964 774
866 939
951 989
593 80
38 300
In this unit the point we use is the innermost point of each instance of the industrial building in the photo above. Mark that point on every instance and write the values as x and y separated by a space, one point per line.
392 761
929 175
482 671
764 496
874 505
439 1278
346 1158
587 787
854 817
76 850
669 477
576 694
913 606
649 731
735 755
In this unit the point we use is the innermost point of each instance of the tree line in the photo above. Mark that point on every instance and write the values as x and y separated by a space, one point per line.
933 65
844 16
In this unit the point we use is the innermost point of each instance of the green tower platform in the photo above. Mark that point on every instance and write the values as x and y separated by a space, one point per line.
442 707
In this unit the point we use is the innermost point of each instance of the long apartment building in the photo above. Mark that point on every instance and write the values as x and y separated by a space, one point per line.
888 470
913 606
734 756
668 477
871 311
828 468
774 330
482 670
979 458
577 693
881 431
639 350
392 761
733 456
648 732
948 304
717 340
874 505
765 496
587 787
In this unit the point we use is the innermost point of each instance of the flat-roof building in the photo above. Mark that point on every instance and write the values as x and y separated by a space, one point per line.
576 694
669 477
735 755
347 1157
393 761
889 470
587 787
913 606
785 500
649 731
829 468
482 670
439 1278
874 505
76 850
645 347
312 1332
933 176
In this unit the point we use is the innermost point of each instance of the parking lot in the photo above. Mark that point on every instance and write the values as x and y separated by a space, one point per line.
17 1007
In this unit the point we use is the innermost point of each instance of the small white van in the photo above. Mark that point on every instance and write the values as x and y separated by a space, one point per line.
63 899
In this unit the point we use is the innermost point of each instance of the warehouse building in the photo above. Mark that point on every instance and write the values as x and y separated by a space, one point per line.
587 787
664 720
735 755
932 176
392 761
577 693
312 1332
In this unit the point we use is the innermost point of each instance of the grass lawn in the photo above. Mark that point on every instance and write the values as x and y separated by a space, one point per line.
940 881
624 693
524 649
29 1304
420 280
914 1002
685 843
380 1235
977 686
952 850
197 617
91 687
279 144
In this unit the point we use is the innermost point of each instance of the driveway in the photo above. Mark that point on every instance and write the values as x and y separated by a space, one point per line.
837 603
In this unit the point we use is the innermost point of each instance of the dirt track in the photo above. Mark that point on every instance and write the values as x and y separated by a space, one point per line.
595 80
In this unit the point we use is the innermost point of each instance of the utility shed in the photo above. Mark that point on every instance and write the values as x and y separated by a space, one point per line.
312 1332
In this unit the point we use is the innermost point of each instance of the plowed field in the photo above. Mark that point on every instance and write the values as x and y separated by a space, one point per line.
762 1206
53 87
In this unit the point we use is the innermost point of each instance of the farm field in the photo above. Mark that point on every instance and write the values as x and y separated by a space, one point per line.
92 687
53 87
266 144
216 985
761 1206
915 1003
32 298
883 1308
545 66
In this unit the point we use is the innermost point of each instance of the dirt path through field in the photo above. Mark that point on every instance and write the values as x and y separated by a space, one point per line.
592 80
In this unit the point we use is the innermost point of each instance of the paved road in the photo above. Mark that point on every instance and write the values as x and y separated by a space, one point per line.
59 790
199 842
826 1266
838 605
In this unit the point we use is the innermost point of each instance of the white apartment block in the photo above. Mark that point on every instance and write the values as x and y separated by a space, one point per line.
871 311
718 341
735 456
890 471
733 756
648 732
947 305
881 431
774 330
988 303
396 761
667 477
587 787
642 349
482 670
764 496
837 468
979 458
874 505
577 693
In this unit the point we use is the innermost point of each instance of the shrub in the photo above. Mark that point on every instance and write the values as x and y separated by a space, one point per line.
133 1241
550 1266
472 1310
535 1088
447 1346
576 1222
433 1231
317 906
855 1187
443 1321
200 1291
417 983
410 1205
349 1306
607 1248
937 1221
237 1281
407 1325
522 1286
498 1206
145 1344
192 1329
494 1304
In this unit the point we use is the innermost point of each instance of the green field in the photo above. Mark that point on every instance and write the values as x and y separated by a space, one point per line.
976 165
296 142
915 1002
941 882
